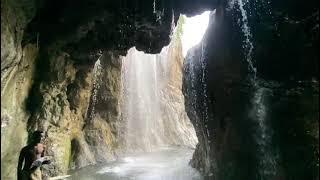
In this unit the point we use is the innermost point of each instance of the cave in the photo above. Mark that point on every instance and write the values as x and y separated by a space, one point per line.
162 89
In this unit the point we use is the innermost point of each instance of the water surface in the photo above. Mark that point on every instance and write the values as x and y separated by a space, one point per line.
164 164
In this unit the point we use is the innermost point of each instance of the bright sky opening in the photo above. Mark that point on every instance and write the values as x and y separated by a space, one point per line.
193 30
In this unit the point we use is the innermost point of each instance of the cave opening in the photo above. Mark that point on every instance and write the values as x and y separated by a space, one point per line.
152 90
157 129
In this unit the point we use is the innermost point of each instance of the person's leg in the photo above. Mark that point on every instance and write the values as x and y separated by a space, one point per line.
25 175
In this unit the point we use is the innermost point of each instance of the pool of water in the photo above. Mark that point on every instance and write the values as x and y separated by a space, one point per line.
164 164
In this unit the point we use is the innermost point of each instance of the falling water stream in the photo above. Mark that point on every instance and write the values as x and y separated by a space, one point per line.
263 133
96 79
158 137
267 158
141 104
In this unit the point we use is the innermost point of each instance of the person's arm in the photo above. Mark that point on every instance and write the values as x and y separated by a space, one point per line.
44 149
47 161
20 162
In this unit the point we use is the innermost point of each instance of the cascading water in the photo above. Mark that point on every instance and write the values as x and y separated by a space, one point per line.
96 85
205 101
245 28
147 110
262 135
144 128
158 14
204 86
267 158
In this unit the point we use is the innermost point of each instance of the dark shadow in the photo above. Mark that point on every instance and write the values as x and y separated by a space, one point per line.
40 75
75 150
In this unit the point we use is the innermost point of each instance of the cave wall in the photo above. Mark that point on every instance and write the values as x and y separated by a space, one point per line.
64 98
79 111
14 114
244 132
103 117
76 134
178 127
17 67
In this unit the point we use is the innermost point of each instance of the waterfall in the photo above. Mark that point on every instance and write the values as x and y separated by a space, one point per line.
204 86
263 134
149 113
154 6
245 28
158 14
97 70
266 154
172 25
140 98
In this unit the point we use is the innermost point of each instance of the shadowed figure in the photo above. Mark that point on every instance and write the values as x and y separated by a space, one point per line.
31 158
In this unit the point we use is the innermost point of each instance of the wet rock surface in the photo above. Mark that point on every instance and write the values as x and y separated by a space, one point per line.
241 122
14 114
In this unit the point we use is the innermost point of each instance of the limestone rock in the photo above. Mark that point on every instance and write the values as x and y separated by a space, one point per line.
14 113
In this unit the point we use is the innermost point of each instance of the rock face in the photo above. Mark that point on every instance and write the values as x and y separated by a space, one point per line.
178 125
103 117
64 99
14 114
77 134
17 67
242 123
89 26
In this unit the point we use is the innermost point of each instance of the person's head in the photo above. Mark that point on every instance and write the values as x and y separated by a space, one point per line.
39 148
37 136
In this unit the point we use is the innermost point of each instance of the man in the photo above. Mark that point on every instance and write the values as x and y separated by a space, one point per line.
27 168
